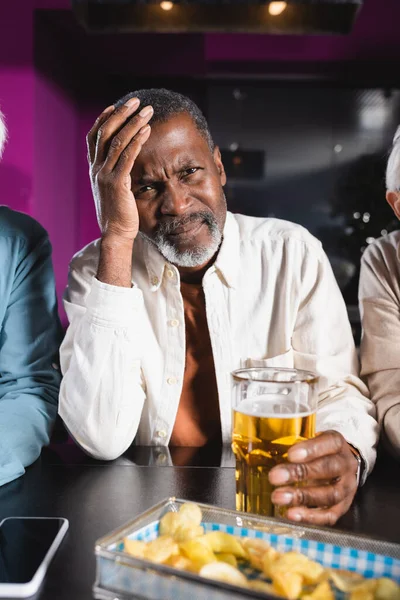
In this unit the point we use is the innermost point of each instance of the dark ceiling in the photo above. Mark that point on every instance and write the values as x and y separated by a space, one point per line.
369 56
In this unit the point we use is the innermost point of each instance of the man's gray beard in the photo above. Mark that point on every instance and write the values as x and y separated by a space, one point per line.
189 258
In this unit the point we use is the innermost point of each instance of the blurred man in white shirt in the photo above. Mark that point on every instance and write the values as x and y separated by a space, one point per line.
178 292
380 311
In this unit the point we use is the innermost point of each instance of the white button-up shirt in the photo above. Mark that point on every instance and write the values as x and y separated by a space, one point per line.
271 300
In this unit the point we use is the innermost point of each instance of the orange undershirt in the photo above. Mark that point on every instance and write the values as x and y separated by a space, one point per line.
198 420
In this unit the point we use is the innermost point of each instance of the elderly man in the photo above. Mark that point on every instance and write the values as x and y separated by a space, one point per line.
30 335
177 293
380 310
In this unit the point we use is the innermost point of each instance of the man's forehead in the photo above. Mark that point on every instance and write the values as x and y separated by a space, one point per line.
178 130
175 141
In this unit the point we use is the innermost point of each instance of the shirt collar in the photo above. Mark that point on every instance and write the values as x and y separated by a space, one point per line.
226 263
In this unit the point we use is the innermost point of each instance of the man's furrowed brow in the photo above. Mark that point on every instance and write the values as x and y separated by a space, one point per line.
143 180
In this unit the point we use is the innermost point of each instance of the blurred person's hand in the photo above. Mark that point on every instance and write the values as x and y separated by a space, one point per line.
114 143
319 482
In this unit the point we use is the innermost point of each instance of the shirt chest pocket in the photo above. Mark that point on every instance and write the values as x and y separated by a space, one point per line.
285 360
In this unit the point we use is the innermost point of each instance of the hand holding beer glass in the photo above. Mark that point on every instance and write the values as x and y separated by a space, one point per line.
273 409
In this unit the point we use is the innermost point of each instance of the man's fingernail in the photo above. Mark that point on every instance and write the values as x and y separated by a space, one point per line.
279 476
295 516
283 498
132 102
297 453
145 112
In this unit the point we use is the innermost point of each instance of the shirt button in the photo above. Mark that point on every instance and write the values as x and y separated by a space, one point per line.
174 323
170 273
162 433
154 281
171 380
55 366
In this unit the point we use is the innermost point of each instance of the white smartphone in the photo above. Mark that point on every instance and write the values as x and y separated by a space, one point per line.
27 546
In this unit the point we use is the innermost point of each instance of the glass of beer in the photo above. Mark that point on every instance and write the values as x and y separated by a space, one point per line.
273 409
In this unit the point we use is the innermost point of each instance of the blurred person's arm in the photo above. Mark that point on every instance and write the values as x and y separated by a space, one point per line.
30 335
323 343
380 356
102 392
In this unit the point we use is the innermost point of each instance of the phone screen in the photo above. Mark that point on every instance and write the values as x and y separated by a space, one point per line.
23 545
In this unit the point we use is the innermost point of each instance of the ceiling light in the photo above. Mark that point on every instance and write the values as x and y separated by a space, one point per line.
209 16
276 8
167 5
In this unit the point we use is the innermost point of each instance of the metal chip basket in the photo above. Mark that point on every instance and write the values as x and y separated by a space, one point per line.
122 577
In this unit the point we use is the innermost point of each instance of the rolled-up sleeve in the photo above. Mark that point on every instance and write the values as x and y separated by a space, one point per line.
29 366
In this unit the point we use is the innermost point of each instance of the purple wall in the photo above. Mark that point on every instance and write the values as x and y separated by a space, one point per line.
87 224
54 201
38 170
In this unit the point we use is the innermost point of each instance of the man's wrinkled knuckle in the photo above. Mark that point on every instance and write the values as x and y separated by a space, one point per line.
120 109
116 143
125 155
301 497
336 494
338 440
299 471
333 464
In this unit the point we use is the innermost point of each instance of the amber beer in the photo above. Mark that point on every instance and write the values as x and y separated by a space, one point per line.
264 428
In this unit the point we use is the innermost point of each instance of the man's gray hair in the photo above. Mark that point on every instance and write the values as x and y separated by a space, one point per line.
3 133
168 104
393 166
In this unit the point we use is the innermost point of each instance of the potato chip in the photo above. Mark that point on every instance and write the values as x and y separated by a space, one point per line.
135 548
256 550
160 549
190 513
345 581
223 572
295 562
179 562
268 561
186 532
364 591
323 591
255 545
169 523
219 541
387 589
197 551
287 584
230 559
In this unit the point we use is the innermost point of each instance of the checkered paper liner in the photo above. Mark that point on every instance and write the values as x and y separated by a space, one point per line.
328 555
117 572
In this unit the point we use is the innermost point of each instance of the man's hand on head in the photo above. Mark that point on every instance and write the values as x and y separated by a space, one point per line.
319 482
114 143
